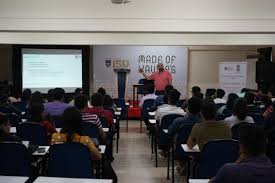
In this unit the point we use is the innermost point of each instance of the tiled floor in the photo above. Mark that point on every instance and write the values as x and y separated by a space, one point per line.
133 163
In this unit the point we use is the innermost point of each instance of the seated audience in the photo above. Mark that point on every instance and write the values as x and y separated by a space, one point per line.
171 107
81 104
266 102
150 95
240 113
5 126
196 92
36 114
208 129
50 95
9 108
162 99
26 96
220 93
57 107
232 97
192 116
72 132
252 166
78 92
251 107
107 99
97 103
268 113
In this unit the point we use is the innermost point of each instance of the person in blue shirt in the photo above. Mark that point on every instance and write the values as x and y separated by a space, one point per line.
252 166
192 116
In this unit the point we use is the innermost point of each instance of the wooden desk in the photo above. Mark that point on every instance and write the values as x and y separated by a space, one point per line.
152 121
69 180
152 113
13 179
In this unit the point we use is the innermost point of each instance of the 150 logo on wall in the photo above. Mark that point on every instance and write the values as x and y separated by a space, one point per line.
117 63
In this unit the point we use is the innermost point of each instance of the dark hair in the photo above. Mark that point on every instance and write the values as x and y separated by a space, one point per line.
173 96
50 95
250 98
220 93
196 92
194 105
240 108
36 97
266 101
26 95
168 88
108 101
35 111
78 91
253 139
102 91
58 93
232 97
244 90
150 89
81 101
208 110
3 121
72 123
97 100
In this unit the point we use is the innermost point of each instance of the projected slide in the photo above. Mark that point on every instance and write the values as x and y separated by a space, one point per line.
44 69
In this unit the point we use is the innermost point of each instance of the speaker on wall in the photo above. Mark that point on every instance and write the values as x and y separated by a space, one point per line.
265 72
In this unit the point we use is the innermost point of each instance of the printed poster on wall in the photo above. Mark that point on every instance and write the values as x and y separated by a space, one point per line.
232 76
108 58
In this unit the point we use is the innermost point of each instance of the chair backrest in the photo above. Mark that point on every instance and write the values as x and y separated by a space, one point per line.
210 92
35 133
254 109
120 102
167 120
180 102
258 118
5 110
57 121
72 160
227 113
220 117
235 130
272 155
20 106
14 119
214 155
182 137
147 106
15 159
90 130
103 121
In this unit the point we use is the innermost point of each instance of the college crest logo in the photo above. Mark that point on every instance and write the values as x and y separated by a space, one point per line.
108 62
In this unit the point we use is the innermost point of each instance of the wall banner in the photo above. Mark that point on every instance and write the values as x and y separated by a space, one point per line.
108 58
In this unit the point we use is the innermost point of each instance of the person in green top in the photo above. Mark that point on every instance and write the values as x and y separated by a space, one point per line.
209 129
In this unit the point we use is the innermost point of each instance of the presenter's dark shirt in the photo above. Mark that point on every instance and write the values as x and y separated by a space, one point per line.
254 170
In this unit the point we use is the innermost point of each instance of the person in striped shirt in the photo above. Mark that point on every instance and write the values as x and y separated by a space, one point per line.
268 113
81 102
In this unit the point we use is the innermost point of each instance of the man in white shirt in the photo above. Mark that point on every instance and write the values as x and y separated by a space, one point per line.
219 97
150 95
170 108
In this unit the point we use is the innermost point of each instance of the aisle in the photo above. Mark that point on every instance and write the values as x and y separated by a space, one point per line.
133 163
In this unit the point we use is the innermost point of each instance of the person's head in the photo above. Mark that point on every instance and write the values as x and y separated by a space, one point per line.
59 94
4 126
240 108
244 90
250 98
50 95
160 67
102 91
232 97
151 89
36 97
36 112
72 123
26 95
220 93
252 140
266 101
173 97
108 101
78 91
196 92
97 100
208 110
194 105
168 88
81 102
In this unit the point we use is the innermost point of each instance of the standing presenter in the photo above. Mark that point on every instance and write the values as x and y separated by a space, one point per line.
161 78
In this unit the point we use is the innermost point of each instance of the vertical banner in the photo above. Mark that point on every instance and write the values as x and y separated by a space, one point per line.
108 58
232 76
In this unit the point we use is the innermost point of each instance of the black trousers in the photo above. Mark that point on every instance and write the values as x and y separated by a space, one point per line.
159 92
